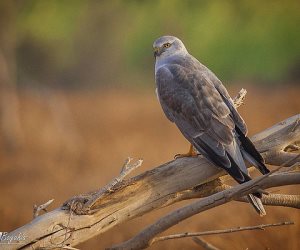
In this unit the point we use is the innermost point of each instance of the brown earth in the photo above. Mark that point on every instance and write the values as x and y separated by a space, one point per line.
76 142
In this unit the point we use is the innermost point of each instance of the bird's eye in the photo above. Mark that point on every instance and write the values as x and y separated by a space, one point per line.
167 45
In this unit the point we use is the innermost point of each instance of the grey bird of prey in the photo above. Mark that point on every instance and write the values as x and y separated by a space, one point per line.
194 99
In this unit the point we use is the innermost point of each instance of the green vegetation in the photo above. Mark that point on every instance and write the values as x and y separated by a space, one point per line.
80 43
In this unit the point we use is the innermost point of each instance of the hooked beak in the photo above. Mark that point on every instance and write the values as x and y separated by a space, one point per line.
156 51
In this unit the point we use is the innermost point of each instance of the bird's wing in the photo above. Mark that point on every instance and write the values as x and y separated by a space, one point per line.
212 79
238 120
197 108
248 149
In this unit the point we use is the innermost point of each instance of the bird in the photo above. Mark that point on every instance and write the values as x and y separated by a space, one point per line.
193 98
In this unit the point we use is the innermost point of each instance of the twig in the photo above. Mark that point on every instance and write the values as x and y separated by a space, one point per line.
37 209
290 161
294 168
240 98
82 204
126 170
221 231
201 242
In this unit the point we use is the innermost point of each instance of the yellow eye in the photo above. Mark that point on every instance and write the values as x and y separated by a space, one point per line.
167 45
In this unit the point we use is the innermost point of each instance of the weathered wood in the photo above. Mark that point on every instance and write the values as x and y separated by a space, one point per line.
146 237
150 190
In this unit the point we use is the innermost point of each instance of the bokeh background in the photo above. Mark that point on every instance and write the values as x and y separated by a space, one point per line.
77 97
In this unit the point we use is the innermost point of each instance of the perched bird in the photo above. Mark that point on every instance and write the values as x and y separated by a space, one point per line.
194 99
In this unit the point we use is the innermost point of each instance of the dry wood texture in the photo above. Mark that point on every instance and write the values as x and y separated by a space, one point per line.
95 213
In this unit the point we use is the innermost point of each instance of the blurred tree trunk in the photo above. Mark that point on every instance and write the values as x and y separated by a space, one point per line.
11 131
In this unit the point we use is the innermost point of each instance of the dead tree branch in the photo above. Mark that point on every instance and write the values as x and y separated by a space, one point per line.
81 204
97 212
240 98
201 242
284 200
145 237
37 209
221 231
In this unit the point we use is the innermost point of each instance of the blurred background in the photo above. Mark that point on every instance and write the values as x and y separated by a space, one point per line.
77 97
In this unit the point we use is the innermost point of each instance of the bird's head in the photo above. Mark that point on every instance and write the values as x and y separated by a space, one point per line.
168 46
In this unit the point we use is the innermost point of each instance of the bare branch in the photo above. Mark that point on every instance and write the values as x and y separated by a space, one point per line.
126 170
240 98
284 200
201 242
282 156
82 204
37 209
146 236
221 231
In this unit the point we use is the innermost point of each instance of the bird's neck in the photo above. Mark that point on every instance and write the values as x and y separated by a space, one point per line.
167 60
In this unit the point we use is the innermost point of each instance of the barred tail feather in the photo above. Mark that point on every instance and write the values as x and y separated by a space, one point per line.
257 204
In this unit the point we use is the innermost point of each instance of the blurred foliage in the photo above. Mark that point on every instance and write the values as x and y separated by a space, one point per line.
92 43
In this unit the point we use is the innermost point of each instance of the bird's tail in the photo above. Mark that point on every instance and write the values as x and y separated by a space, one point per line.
250 153
254 200
257 204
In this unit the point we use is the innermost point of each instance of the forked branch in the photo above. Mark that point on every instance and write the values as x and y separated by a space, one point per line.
146 237
91 214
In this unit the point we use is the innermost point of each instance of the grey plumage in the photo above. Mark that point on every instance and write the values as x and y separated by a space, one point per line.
194 99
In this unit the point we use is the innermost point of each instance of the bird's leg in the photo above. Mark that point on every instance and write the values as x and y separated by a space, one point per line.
192 153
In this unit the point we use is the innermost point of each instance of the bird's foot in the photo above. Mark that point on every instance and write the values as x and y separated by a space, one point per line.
192 153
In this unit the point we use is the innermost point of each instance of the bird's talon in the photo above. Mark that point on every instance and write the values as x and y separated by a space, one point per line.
191 153
177 156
